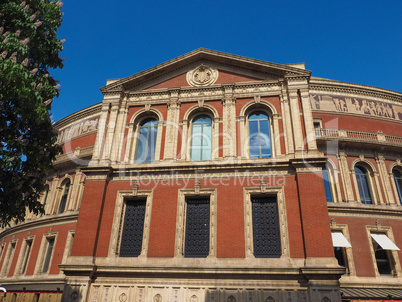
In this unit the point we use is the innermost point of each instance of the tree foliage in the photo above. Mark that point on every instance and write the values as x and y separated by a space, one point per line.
29 49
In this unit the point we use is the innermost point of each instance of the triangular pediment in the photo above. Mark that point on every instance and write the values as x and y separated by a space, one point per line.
204 67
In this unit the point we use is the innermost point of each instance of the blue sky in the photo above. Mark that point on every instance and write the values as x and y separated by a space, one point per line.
351 41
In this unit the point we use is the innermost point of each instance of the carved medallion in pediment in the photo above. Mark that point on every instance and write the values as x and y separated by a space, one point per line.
202 76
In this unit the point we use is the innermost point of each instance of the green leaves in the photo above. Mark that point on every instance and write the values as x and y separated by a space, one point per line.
29 47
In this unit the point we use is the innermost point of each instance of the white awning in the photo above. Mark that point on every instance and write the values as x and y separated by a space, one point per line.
384 242
339 240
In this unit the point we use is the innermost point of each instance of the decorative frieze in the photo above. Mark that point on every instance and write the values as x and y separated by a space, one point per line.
360 106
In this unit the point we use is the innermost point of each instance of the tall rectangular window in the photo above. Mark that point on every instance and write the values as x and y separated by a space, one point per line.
197 228
133 228
266 234
48 255
27 253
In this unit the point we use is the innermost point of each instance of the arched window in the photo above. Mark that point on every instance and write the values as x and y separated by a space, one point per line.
201 138
259 135
362 178
145 151
63 200
398 183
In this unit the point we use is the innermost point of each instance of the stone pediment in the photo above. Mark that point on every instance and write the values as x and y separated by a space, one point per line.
202 68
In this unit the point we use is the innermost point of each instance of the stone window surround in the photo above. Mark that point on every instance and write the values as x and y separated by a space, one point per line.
42 252
267 108
117 227
59 194
374 185
181 219
187 124
264 190
350 269
133 133
333 173
8 258
394 258
22 256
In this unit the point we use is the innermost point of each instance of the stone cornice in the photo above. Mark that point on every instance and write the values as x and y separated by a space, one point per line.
215 92
358 210
325 85
47 221
84 113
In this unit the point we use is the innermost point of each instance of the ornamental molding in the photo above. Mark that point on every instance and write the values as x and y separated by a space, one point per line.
189 94
202 76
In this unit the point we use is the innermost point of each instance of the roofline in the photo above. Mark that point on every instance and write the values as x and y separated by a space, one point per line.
203 53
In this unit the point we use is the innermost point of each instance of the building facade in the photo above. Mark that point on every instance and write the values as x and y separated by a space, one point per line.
215 177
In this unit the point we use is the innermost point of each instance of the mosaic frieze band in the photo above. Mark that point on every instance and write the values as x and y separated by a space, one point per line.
79 128
356 106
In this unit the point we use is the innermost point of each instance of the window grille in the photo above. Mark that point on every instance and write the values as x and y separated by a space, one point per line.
266 234
133 228
197 228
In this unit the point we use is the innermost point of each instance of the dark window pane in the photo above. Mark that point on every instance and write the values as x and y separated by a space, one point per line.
340 256
382 259
197 228
266 234
133 228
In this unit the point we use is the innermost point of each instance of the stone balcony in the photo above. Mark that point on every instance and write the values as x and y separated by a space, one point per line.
362 138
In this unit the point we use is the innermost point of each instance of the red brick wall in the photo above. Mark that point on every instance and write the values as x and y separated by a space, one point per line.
37 234
360 242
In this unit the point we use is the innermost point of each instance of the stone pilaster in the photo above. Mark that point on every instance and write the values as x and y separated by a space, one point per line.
385 179
308 120
296 121
287 122
345 176
118 140
229 122
172 125
111 126
101 134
